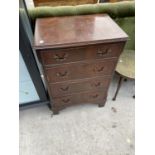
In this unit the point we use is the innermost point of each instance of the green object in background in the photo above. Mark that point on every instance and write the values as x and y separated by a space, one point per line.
119 9
128 25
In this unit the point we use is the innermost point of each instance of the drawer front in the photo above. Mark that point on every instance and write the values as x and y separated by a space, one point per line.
64 88
80 70
50 57
87 97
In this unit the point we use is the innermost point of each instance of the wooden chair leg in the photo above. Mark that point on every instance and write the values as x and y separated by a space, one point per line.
118 87
125 80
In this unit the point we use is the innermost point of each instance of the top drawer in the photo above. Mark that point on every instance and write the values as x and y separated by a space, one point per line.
59 56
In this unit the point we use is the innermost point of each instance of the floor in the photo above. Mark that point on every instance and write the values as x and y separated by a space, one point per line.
82 129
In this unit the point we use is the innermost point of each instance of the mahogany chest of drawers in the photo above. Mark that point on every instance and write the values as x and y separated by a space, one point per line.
78 55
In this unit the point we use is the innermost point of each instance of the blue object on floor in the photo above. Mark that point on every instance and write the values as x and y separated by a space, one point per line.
27 91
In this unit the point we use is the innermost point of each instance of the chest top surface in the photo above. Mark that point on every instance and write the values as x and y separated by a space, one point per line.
70 31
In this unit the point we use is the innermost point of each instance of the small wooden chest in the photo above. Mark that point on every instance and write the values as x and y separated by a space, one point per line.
78 55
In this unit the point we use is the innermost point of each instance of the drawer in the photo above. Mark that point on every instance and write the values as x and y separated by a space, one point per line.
82 70
64 88
49 57
86 97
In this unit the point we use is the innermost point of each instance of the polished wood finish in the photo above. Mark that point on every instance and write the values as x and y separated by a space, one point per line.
69 31
97 97
81 70
77 86
79 55
100 51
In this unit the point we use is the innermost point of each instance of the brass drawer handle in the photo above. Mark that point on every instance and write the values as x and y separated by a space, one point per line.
103 53
66 100
65 88
100 69
97 69
62 74
94 96
62 57
97 84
